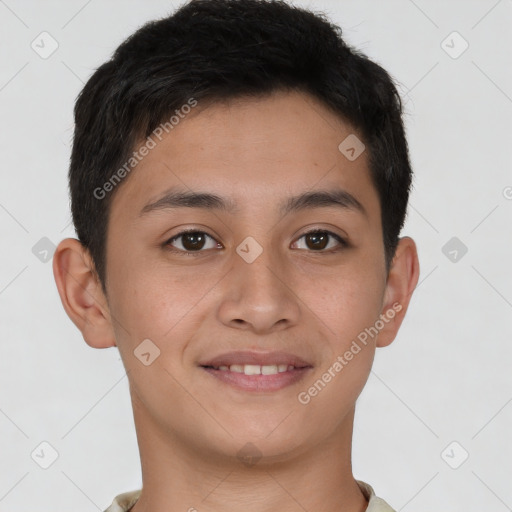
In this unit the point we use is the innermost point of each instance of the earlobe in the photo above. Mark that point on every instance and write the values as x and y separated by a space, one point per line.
401 282
81 294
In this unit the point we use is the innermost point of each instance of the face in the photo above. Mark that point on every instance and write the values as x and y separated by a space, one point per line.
263 278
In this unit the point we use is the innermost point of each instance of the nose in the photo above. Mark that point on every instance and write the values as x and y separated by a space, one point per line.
258 296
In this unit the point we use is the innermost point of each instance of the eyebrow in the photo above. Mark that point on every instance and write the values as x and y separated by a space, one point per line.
176 198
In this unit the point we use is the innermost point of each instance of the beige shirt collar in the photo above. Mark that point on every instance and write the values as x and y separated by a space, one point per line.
124 502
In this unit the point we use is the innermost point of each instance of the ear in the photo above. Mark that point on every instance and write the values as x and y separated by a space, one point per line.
401 282
81 293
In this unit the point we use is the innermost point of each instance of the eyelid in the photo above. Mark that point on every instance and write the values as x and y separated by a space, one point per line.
167 245
339 238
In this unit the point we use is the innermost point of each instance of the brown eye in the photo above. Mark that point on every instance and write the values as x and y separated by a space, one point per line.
191 241
319 240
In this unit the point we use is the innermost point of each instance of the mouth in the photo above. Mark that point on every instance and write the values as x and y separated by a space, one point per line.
252 371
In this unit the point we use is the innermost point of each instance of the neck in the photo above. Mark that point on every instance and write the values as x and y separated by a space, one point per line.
177 477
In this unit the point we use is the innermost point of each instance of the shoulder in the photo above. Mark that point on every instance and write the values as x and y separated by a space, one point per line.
375 504
123 502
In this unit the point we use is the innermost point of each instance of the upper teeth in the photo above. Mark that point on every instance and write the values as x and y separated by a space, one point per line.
256 369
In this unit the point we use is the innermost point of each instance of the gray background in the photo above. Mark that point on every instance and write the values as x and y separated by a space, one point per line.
445 379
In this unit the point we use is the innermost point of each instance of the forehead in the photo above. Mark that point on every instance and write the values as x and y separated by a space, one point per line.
253 151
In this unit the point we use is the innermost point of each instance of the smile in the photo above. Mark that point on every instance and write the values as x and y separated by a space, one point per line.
255 369
247 370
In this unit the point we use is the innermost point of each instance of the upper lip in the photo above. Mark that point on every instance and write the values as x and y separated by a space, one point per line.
260 358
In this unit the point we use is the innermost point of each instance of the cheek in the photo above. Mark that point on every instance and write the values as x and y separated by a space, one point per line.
345 301
155 302
348 306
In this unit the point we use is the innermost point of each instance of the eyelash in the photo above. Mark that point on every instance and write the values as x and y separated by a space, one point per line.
343 243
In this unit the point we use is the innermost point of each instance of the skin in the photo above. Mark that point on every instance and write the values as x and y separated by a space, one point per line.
294 297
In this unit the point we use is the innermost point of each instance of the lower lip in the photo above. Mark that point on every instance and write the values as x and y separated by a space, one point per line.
259 382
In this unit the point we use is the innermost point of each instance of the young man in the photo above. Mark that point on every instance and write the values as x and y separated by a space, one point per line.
239 179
